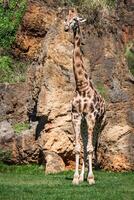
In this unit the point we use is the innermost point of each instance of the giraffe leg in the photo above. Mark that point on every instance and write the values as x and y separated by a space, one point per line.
81 177
76 174
90 177
76 119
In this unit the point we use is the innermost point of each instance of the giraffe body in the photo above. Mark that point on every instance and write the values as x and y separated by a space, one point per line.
87 102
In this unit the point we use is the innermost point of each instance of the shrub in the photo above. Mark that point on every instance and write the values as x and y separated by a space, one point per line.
5 69
9 21
102 90
19 127
11 71
129 54
5 155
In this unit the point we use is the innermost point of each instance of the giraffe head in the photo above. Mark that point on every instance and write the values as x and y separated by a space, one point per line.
73 21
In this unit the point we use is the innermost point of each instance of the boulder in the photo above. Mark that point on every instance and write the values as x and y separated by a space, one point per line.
115 151
6 141
25 148
53 163
6 130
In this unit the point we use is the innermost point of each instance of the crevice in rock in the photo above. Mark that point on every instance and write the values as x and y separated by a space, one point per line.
124 134
67 157
36 33
61 115
42 120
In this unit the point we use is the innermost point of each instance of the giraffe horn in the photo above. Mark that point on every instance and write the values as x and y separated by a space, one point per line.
81 20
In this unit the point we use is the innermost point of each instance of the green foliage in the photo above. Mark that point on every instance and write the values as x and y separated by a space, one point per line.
30 182
19 127
5 68
11 71
102 90
9 21
130 56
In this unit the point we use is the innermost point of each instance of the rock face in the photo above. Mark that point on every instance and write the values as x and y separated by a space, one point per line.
116 148
13 100
125 13
50 88
53 95
35 25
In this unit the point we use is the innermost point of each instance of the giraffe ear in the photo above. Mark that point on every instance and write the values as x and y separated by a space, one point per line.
72 13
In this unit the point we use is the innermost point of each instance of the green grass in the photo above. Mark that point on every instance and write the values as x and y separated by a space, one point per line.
19 127
30 183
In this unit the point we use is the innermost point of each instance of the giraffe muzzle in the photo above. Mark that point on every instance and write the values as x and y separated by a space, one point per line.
66 28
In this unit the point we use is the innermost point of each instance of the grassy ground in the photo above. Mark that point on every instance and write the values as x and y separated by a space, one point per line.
30 183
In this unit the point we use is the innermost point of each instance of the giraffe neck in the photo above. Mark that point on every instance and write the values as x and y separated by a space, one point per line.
80 74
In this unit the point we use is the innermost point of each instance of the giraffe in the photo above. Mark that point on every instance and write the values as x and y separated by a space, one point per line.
87 102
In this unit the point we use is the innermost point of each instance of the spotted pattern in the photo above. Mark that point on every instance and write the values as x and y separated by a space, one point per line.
87 101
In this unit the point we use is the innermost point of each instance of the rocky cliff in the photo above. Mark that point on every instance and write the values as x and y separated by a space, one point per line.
45 98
